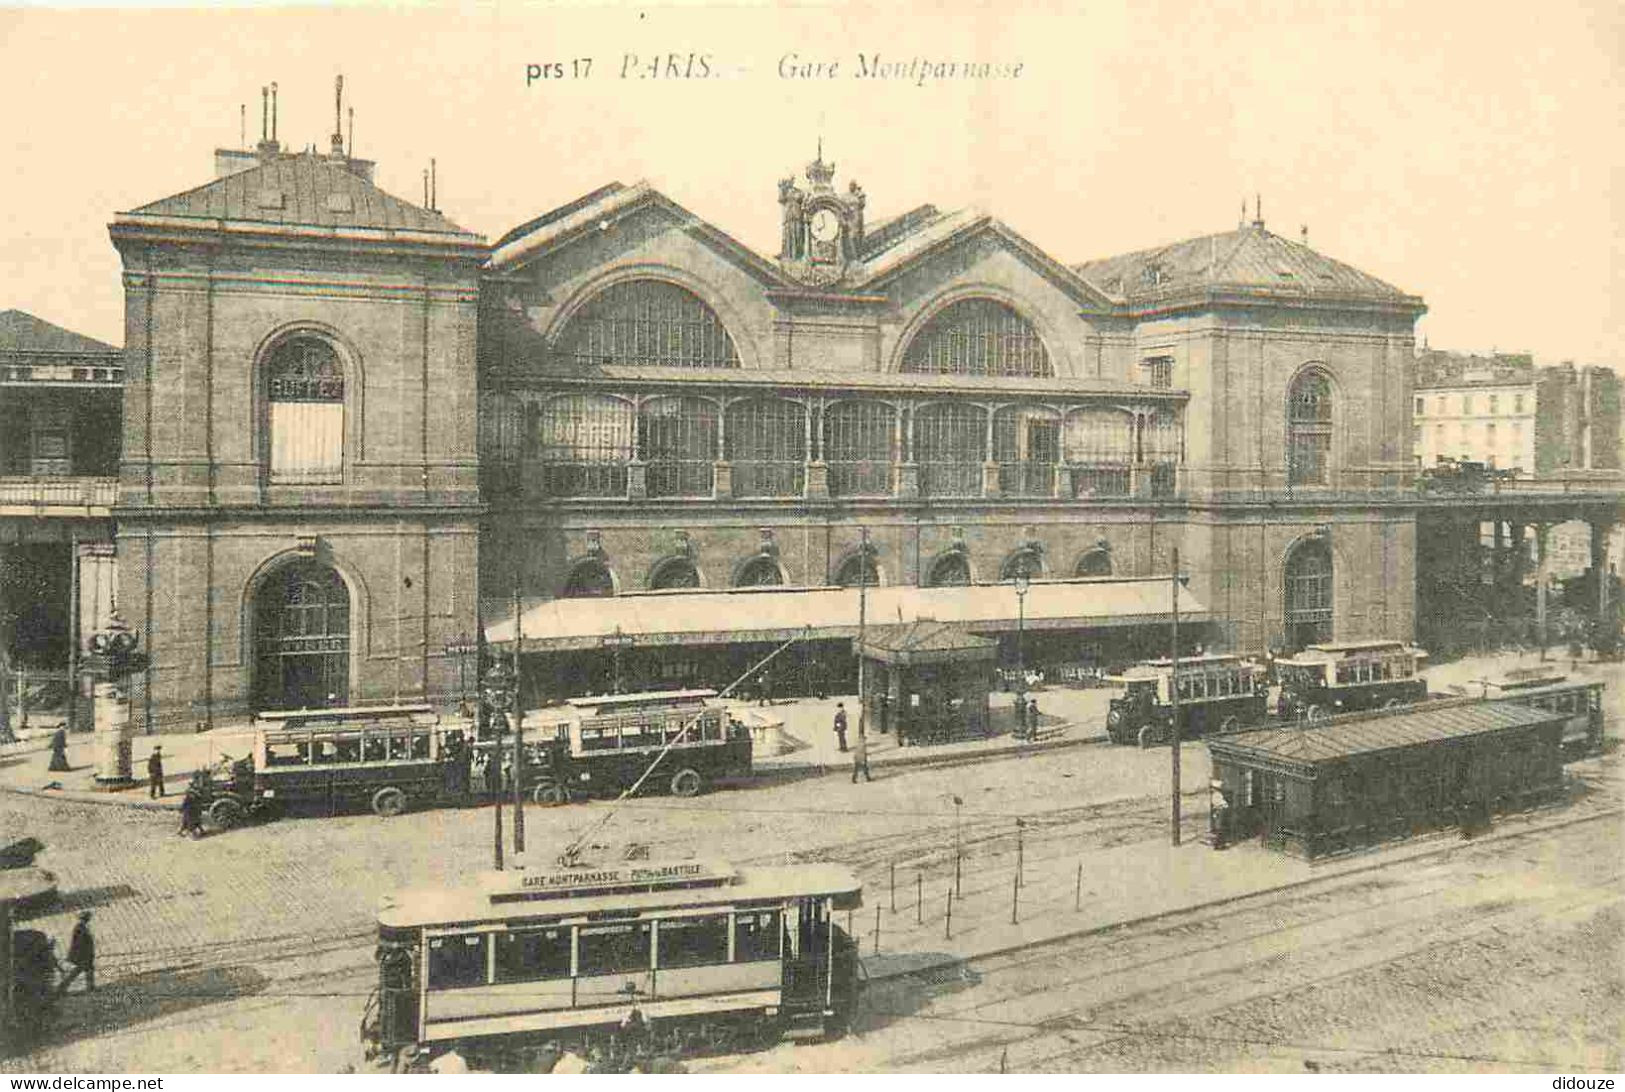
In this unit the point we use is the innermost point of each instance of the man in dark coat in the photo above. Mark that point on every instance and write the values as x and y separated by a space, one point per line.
191 814
840 725
59 751
155 773
81 955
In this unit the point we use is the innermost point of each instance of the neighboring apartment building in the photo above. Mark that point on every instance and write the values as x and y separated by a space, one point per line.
1475 409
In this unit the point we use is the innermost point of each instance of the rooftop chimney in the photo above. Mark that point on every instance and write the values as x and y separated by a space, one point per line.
338 118
268 148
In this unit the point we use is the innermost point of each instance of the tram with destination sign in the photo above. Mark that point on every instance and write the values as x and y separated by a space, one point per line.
639 959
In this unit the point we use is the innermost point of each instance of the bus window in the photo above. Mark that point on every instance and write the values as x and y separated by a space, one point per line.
372 749
614 949
711 726
756 935
420 744
457 961
692 942
638 734
533 953
281 754
400 746
323 751
598 739
738 729
1342 673
348 749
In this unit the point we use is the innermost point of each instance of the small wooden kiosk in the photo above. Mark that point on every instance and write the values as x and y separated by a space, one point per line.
928 680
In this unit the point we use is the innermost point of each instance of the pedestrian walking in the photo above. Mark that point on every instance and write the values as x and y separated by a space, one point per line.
81 955
155 773
59 752
840 725
860 758
191 814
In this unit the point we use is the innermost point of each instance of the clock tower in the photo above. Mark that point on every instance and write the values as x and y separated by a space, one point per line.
823 229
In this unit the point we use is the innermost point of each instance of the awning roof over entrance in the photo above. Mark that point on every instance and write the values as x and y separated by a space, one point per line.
742 615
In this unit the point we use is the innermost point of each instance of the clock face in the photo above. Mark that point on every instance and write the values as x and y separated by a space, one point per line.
825 225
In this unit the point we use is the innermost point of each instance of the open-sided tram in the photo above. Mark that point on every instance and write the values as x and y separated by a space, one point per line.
1217 693
1324 680
710 956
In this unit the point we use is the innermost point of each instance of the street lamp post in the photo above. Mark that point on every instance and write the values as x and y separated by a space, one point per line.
497 695
617 642
1022 582
460 646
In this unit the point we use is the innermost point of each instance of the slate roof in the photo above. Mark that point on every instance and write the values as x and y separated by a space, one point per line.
926 638
315 190
21 332
1250 257
1434 722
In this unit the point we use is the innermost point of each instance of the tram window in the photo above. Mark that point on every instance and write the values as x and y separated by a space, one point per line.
614 949
692 942
399 746
372 749
1342 673
738 729
711 725
420 745
457 961
323 750
349 750
756 936
533 953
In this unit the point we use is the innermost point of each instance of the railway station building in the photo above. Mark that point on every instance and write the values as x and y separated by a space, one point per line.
357 435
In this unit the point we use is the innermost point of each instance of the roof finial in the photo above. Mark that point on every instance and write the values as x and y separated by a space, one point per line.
273 111
350 151
265 113
1258 210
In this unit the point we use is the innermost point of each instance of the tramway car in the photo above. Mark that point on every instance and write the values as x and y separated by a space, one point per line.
1216 693
605 744
1344 678
710 956
1579 702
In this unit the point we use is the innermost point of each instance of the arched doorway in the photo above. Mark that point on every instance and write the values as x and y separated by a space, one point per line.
589 579
302 638
674 572
758 572
1308 588
856 570
1095 562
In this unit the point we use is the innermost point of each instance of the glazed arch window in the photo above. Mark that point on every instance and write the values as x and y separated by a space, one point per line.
1309 429
647 322
305 394
978 337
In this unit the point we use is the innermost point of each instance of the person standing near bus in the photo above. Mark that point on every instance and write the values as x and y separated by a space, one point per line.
155 773
840 725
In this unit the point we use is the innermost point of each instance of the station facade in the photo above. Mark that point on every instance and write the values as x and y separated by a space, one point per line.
355 435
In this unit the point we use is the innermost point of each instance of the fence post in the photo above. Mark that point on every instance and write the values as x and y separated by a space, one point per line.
956 875
1077 890
1015 898
948 919
919 898
894 887
1020 856
877 930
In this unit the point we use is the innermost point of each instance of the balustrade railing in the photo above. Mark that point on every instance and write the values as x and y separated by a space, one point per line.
768 478
68 492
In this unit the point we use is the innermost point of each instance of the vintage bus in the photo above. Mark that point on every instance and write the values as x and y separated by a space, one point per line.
1217 693
1323 680
605 745
711 956
1580 703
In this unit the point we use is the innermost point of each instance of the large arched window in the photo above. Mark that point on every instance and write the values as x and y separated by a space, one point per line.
649 322
1095 562
858 569
1098 444
858 446
677 437
949 570
584 442
1308 589
304 388
1027 447
950 445
977 337
1028 560
767 445
674 572
1309 429
302 638
759 572
588 579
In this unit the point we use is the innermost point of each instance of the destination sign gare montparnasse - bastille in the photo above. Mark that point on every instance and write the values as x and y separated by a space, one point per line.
570 881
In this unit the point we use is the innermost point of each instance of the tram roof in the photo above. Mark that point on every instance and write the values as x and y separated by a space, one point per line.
1365 733
617 702
1346 648
490 899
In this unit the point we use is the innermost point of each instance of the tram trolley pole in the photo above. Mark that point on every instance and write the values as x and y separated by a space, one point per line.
948 918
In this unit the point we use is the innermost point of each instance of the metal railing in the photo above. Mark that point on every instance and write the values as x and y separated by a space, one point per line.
70 492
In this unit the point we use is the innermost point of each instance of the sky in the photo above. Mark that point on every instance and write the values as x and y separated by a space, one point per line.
1467 153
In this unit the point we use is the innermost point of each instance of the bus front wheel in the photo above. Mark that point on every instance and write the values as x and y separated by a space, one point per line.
388 801
225 813
549 794
687 782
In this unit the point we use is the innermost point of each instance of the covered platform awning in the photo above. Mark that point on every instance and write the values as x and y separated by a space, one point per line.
744 615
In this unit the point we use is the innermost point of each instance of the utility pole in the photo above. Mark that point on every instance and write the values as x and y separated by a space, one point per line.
1173 696
518 727
863 618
